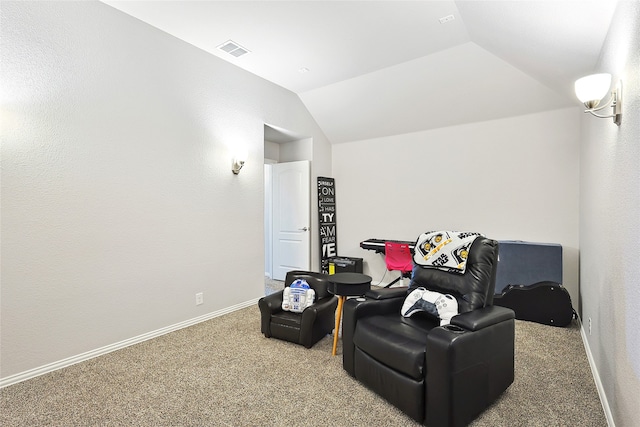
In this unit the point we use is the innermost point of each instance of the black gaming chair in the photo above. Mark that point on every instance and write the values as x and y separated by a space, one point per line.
438 375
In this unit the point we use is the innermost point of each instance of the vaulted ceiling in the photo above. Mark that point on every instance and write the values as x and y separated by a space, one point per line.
368 69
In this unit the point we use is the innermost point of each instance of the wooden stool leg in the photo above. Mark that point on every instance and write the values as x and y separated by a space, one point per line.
338 317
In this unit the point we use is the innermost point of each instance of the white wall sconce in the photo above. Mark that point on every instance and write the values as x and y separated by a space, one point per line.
237 164
591 89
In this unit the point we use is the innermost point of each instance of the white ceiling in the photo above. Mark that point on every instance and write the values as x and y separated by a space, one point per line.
380 68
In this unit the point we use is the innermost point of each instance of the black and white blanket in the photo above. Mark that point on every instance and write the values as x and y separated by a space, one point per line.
444 250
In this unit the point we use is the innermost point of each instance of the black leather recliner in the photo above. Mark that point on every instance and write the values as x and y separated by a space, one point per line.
438 375
308 327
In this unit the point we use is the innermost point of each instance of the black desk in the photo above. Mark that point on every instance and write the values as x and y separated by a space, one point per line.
378 244
343 285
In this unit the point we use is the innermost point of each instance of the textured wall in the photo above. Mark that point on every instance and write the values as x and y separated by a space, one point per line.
511 179
118 202
610 225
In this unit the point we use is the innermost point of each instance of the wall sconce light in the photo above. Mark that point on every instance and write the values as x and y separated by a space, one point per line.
237 164
591 89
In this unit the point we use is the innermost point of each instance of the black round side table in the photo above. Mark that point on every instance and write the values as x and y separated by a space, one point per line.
345 285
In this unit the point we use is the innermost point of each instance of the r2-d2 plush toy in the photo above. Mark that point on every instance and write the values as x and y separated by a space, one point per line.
298 296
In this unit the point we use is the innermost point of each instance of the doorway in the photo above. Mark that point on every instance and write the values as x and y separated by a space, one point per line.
287 207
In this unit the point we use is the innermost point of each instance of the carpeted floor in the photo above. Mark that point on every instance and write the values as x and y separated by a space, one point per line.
271 286
223 372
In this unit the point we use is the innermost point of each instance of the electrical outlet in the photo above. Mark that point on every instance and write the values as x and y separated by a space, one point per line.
199 298
589 325
446 19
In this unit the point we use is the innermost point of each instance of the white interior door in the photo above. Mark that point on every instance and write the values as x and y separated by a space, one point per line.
291 217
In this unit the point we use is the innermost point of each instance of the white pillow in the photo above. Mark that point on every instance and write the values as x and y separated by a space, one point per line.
440 306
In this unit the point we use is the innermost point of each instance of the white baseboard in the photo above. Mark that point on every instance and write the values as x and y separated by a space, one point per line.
32 373
596 377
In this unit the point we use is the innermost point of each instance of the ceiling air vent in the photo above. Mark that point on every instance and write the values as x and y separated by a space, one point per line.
233 48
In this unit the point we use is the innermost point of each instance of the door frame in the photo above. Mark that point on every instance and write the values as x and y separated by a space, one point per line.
285 146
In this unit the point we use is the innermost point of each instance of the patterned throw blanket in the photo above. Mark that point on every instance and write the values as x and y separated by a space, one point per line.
444 250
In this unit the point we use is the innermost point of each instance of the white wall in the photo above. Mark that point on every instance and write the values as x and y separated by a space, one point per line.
511 179
118 202
610 225
297 150
271 151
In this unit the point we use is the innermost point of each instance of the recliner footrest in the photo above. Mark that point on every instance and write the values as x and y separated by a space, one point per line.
405 393
398 342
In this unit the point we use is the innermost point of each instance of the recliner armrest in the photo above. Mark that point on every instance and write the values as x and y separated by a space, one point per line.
469 364
310 313
482 318
271 303
369 307
386 293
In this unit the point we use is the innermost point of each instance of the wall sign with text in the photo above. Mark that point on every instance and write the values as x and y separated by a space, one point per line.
327 219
